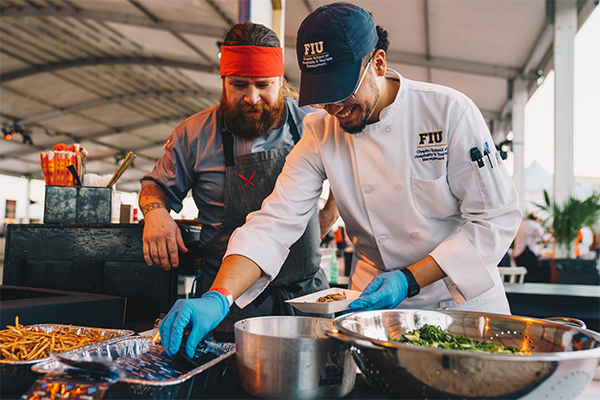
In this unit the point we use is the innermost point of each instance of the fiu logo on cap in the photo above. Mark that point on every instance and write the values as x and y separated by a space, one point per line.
428 139
315 55
313 48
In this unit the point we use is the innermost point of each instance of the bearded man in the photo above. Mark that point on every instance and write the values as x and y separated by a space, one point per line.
230 156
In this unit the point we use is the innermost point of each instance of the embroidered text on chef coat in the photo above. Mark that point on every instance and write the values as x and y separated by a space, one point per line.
431 146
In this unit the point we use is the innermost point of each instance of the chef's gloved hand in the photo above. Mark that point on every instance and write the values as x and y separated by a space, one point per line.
204 314
385 291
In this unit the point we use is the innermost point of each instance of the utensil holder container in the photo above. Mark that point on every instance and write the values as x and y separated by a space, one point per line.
71 204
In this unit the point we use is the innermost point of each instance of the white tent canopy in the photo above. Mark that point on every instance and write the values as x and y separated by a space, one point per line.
119 75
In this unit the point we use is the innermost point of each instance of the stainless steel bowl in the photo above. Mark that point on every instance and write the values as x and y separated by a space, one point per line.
292 357
563 360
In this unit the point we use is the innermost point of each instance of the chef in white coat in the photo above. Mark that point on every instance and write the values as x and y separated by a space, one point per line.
426 200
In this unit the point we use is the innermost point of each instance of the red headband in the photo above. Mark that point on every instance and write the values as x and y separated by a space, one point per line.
251 61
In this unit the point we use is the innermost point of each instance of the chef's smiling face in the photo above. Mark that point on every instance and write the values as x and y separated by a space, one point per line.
360 109
252 105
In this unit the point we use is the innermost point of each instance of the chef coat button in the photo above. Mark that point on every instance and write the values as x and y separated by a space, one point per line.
368 189
359 135
382 239
400 186
414 234
389 128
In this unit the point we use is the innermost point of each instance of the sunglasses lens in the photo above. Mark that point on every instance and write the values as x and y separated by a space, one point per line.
345 102
350 99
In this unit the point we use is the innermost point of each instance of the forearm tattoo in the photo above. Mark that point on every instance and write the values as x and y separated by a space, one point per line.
152 206
155 198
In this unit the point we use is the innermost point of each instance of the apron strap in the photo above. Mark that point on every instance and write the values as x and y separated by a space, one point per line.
293 127
227 137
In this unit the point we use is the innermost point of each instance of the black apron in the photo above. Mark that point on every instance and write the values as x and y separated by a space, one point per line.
249 179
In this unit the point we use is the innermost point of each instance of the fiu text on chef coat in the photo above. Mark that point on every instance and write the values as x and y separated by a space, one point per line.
405 187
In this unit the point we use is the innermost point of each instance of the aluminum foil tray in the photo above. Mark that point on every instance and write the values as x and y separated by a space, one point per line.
144 371
17 376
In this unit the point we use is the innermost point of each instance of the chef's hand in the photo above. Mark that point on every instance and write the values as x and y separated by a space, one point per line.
162 240
204 314
384 292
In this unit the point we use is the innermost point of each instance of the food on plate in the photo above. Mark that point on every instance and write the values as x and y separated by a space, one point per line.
25 343
433 336
332 297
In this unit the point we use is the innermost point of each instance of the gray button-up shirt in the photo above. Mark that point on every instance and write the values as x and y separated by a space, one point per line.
194 160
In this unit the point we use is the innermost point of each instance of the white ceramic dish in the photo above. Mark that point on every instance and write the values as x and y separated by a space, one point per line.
308 303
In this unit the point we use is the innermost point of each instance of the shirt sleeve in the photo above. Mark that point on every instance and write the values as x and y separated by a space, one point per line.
174 171
489 210
268 233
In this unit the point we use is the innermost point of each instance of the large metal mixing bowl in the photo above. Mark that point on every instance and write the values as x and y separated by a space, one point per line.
287 357
563 360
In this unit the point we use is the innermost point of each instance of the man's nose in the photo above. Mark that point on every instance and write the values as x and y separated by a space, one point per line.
252 95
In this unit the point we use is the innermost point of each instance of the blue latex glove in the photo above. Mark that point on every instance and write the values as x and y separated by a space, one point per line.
385 291
204 314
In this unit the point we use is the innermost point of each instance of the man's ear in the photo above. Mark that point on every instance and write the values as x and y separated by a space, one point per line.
379 62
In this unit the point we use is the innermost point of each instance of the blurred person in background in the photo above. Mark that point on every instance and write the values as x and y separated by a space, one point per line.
340 240
583 244
524 254
595 246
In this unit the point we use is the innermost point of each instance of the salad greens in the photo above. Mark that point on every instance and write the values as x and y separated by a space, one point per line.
433 336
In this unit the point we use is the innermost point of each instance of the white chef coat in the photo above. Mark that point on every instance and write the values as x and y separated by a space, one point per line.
406 188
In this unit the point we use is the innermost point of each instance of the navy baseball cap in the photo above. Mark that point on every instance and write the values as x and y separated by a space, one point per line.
330 45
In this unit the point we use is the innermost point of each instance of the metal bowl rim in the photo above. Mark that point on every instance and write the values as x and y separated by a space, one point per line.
282 318
553 356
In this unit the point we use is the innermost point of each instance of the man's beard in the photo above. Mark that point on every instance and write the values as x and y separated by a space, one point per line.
252 127
368 110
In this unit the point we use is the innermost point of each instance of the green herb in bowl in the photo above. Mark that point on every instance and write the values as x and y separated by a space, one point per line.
433 336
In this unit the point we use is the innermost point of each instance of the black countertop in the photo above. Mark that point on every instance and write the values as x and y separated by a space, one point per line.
230 387
543 300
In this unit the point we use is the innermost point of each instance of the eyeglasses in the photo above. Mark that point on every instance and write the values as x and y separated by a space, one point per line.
350 99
